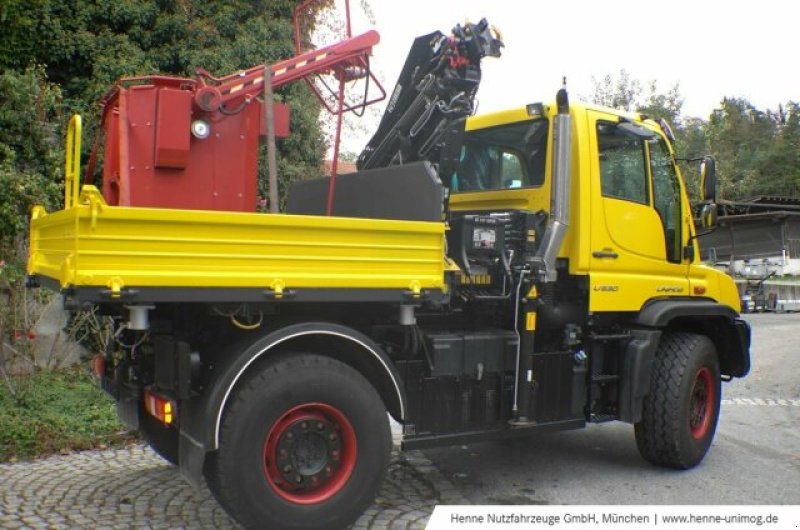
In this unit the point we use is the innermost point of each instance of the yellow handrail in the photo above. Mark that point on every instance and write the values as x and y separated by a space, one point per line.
72 182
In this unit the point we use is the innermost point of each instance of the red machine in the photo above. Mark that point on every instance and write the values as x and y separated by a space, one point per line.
193 143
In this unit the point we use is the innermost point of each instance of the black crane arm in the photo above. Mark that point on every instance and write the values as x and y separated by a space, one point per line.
424 118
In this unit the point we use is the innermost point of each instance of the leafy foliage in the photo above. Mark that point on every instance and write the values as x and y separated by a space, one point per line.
55 411
84 47
30 150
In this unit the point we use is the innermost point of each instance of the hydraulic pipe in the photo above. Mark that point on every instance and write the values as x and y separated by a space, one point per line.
272 164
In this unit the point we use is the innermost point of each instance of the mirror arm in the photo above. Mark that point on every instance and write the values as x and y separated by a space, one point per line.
698 235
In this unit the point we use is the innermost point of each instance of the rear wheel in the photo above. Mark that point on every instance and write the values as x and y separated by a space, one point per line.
304 442
679 415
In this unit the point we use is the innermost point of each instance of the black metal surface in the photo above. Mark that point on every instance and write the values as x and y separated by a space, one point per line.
502 433
659 313
459 354
93 295
411 193
739 353
636 369
551 396
434 91
447 404
128 405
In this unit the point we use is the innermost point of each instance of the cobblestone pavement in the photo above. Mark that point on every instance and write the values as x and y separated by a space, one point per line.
134 488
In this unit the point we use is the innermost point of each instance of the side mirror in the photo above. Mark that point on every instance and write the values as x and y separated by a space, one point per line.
708 216
708 180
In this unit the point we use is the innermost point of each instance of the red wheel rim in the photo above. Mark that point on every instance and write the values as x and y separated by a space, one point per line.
701 404
309 453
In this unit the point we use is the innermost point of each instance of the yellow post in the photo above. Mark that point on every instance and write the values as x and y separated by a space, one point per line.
73 162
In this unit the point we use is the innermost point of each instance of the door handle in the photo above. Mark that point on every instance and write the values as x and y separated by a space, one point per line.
605 253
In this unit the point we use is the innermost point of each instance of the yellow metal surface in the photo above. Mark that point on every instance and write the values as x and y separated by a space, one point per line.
73 162
632 231
530 321
93 244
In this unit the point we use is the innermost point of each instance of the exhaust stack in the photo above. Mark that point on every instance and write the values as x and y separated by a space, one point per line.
545 258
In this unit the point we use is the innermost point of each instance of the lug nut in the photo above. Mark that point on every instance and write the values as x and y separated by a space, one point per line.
335 454
283 453
320 426
298 479
304 425
287 468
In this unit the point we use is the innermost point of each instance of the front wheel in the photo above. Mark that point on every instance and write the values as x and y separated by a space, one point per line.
679 415
304 443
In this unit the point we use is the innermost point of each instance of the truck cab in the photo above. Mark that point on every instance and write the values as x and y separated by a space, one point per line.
632 225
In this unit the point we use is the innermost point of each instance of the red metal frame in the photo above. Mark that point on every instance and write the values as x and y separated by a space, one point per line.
136 121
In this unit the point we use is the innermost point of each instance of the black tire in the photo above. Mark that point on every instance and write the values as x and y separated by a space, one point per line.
307 418
679 415
163 440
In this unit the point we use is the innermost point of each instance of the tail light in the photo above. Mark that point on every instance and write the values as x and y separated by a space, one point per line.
160 407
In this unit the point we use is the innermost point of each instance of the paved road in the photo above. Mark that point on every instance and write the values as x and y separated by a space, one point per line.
134 488
755 458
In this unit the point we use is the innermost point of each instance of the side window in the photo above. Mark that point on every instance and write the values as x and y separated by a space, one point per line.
623 173
511 170
667 197
503 157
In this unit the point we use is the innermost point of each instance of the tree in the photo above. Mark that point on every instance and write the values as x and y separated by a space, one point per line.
626 93
85 47
740 136
30 149
58 57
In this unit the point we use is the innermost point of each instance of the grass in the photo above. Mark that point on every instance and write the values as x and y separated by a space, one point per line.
55 411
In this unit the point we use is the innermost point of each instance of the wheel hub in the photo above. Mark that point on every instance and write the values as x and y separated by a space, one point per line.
309 453
701 403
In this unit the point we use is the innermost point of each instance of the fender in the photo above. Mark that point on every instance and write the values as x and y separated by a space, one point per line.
660 312
721 323
202 415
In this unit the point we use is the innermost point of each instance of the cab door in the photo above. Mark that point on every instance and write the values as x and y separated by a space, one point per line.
639 221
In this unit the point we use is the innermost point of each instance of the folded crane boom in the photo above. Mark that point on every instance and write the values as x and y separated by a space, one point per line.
434 94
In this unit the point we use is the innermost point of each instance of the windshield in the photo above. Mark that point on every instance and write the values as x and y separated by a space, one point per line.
503 157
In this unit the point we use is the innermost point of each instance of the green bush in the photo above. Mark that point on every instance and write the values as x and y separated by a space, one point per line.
51 411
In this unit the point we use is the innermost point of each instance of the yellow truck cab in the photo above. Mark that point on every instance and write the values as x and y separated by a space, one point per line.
632 226
549 277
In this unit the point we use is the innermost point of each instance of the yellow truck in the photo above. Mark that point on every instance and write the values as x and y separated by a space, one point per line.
546 277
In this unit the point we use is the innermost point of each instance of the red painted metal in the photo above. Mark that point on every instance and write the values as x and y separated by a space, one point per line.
339 58
701 404
332 470
151 158
173 119
217 173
